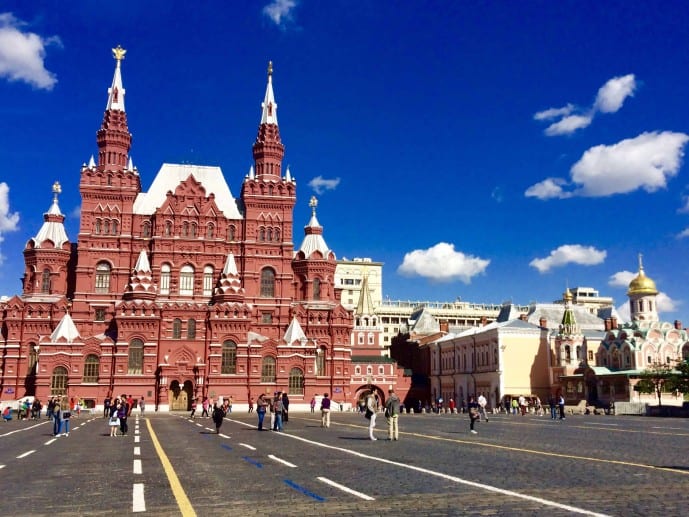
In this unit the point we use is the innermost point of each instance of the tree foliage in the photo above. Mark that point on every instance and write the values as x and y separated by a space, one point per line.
657 378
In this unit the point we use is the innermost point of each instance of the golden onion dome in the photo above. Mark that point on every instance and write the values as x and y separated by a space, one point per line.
642 284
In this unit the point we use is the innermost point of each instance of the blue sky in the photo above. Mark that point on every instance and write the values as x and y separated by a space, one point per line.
485 150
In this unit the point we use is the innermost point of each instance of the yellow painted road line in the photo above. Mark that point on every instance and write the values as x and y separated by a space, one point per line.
177 490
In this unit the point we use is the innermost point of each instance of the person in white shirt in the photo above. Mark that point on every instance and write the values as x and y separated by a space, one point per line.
482 402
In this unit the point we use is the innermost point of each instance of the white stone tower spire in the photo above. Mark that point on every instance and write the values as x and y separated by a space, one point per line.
116 91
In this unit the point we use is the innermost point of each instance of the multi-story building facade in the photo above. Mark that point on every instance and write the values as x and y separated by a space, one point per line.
349 277
589 298
180 291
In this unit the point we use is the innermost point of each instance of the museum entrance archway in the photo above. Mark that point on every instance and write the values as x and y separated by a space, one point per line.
180 395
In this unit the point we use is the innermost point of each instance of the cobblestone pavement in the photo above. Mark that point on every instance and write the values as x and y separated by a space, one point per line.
169 465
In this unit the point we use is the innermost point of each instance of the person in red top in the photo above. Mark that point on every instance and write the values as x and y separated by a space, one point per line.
452 406
130 404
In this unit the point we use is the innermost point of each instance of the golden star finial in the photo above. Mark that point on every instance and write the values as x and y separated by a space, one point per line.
270 68
118 53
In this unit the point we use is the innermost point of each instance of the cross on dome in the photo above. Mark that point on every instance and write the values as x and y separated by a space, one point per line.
57 190
313 203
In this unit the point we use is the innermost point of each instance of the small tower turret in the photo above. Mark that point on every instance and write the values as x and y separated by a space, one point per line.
642 295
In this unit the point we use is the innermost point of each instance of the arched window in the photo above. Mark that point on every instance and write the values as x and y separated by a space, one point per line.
276 234
210 231
568 354
33 358
191 329
229 357
115 226
164 279
168 228
45 281
262 234
136 357
146 229
615 359
269 234
91 364
267 283
208 280
296 382
106 226
268 369
185 230
177 328
58 382
186 280
578 353
193 229
98 226
103 277
320 361
316 288
231 233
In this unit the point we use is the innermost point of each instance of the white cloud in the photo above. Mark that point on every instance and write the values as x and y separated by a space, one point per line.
552 113
75 213
280 10
442 263
549 188
684 233
612 94
621 279
320 184
568 125
610 98
646 161
22 54
9 222
685 205
569 254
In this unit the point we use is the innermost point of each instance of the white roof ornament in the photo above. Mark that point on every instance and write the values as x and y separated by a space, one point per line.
230 266
294 332
53 229
313 240
66 330
269 106
252 174
92 163
130 165
288 175
116 91
142 263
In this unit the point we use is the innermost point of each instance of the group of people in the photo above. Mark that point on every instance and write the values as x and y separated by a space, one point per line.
277 406
59 410
118 411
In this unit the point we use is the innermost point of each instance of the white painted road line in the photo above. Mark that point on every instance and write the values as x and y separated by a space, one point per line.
281 461
248 446
25 454
345 489
137 451
49 441
223 436
137 467
2 466
138 501
136 439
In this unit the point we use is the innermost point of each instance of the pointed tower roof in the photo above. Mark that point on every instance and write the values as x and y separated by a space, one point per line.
53 228
313 239
116 91
641 284
269 114
365 305
569 323
141 281
230 286
66 330
294 332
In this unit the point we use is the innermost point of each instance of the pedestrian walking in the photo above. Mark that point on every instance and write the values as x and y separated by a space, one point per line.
218 417
277 411
194 403
122 414
482 403
285 407
205 404
142 406
561 403
261 405
66 416
114 420
251 404
392 413
106 406
371 409
553 407
325 410
473 414
57 418
313 404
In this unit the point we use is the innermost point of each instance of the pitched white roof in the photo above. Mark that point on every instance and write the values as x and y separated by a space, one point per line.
116 91
142 263
171 175
230 266
314 241
65 329
53 231
294 332
269 114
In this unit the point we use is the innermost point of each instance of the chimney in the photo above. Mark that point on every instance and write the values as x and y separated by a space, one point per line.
678 324
444 326
543 323
484 321
608 324
613 323
522 317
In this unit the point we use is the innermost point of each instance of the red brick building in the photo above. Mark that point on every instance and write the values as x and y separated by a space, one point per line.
180 291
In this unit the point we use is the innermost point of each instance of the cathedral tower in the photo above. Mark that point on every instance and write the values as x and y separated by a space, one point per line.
642 294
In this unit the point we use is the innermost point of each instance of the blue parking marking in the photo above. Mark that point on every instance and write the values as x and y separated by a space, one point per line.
253 462
226 447
304 491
